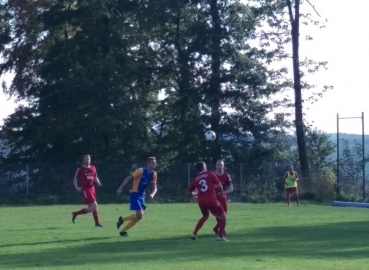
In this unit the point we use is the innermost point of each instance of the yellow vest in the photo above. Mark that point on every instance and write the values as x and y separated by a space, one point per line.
291 180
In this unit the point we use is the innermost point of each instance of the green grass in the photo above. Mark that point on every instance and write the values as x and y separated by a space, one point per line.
267 236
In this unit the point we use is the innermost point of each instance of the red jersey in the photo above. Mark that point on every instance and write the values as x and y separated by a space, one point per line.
87 176
225 180
205 183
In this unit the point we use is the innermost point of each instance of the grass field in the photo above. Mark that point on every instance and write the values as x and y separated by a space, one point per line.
266 236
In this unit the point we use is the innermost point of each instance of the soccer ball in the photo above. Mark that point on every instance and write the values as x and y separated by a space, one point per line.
210 135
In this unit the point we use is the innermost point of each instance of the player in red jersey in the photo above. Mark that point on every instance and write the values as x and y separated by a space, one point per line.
227 185
208 185
88 176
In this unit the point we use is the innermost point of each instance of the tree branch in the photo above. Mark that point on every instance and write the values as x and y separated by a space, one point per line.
289 5
313 8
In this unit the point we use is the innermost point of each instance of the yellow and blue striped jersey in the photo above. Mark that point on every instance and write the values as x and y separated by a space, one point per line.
141 179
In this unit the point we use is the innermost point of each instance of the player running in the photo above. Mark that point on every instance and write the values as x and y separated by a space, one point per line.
88 176
290 179
227 185
141 179
207 184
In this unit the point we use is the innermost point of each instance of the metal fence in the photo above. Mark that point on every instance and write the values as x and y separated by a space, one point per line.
352 183
50 183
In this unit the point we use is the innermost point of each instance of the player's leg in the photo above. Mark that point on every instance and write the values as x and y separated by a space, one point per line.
83 211
222 220
217 210
205 215
223 203
94 209
297 197
134 205
138 205
288 196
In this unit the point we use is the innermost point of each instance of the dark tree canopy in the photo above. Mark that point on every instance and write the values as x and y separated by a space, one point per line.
125 79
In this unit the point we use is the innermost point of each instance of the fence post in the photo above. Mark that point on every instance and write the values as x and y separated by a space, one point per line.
27 179
189 173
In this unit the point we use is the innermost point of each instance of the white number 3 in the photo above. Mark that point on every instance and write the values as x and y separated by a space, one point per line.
204 185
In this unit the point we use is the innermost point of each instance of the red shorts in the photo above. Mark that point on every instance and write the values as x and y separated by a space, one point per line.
211 207
223 202
291 190
89 195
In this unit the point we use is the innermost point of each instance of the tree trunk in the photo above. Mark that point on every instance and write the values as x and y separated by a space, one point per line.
300 134
215 89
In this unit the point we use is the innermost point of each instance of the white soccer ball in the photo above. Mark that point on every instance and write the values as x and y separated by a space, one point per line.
210 135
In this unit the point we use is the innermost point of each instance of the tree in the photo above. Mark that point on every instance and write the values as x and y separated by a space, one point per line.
210 68
281 28
78 66
300 134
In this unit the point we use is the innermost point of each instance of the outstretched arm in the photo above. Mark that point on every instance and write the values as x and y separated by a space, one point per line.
125 182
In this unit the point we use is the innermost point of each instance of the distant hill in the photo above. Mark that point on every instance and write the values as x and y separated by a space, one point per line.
352 140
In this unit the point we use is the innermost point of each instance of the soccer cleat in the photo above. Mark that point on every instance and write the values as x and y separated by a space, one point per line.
99 226
119 222
193 237
73 217
123 234
222 239
215 230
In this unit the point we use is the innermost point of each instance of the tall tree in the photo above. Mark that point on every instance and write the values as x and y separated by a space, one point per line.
283 19
84 78
216 81
299 122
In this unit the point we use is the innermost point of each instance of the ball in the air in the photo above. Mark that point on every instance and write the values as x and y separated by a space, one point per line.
210 135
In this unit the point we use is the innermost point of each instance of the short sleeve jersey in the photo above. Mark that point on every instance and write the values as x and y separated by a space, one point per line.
87 176
225 180
205 183
141 179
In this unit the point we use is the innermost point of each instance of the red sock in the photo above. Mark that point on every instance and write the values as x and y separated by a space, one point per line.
200 223
288 197
222 225
81 212
96 217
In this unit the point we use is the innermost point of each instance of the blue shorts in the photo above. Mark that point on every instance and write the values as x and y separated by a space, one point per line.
137 202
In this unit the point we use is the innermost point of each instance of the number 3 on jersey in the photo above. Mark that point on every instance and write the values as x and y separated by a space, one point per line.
204 185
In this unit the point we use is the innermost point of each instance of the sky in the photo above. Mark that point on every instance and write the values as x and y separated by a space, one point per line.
344 44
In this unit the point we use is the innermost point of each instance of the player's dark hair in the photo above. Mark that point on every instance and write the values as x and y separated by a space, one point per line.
150 159
200 166
84 156
219 160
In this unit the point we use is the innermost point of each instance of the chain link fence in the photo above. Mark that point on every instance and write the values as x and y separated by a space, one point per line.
52 184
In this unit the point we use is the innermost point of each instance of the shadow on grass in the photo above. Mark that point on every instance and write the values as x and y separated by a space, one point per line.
65 241
337 240
39 229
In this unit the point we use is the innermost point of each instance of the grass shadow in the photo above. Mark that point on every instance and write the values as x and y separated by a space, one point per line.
55 242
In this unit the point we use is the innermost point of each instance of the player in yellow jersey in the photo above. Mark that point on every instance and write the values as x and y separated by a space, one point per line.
141 177
291 179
